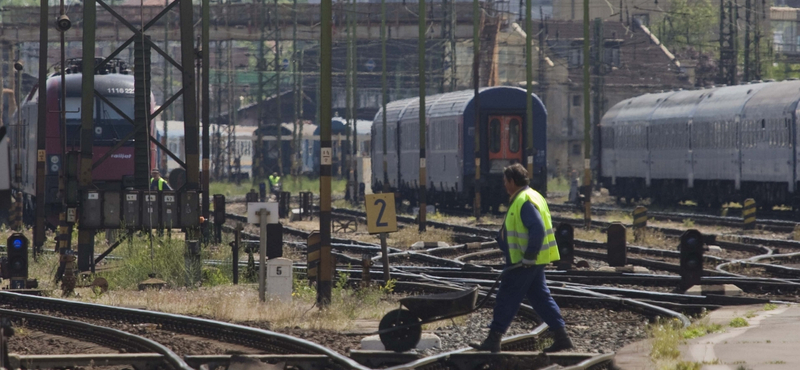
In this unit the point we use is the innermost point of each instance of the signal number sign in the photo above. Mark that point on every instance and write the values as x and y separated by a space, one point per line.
381 217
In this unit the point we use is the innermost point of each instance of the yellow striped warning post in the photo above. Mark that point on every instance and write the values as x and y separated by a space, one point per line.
749 214
639 223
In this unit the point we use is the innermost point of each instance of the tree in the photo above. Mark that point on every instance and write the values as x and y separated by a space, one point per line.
690 24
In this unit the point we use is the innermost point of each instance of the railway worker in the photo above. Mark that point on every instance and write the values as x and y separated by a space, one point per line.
158 183
275 183
528 242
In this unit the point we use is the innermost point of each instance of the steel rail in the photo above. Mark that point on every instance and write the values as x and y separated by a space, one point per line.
97 334
248 336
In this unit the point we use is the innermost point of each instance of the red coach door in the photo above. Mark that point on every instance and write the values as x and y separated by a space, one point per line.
505 138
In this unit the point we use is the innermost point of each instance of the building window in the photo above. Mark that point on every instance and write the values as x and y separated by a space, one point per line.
576 149
576 100
575 57
611 56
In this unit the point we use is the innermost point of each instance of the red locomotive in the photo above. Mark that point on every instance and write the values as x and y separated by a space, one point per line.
115 83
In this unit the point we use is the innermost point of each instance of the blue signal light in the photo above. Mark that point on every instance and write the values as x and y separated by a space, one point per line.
17 243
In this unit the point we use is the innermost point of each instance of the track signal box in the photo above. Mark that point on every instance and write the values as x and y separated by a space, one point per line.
691 258
17 247
565 238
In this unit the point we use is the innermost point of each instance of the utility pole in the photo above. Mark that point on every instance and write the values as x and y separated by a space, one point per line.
41 130
587 124
164 88
326 260
218 163
529 84
296 93
278 66
231 146
206 98
477 17
85 235
422 118
348 87
747 66
756 68
384 97
354 114
598 106
259 152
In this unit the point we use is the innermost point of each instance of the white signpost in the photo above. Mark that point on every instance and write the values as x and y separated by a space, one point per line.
263 213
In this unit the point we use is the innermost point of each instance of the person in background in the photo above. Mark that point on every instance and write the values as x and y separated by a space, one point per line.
275 183
528 241
158 183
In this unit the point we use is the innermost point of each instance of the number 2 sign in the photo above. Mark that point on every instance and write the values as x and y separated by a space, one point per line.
381 216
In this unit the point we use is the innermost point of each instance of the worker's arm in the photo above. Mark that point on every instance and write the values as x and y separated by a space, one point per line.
533 222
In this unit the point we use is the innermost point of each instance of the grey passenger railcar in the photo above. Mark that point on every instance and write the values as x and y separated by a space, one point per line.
711 146
450 146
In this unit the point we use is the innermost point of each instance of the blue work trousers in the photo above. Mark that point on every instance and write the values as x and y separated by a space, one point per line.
514 287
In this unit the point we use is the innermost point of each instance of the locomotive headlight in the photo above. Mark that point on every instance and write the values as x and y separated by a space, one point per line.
55 164
18 65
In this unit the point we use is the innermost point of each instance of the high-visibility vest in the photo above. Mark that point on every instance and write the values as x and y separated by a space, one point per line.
274 180
161 183
517 233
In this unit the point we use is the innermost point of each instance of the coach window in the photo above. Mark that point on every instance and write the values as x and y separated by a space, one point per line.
494 135
513 135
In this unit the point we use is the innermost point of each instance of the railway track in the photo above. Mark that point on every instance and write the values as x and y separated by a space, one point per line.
271 343
783 222
139 350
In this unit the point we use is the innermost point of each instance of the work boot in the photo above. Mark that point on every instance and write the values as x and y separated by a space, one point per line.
492 342
561 341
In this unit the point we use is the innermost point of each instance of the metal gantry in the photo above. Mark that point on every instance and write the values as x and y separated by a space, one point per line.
143 117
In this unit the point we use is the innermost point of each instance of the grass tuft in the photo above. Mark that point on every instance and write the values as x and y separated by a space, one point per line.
738 322
770 306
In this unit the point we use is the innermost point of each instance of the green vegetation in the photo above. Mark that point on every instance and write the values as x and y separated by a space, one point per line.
290 184
558 184
700 329
738 322
668 335
688 222
770 306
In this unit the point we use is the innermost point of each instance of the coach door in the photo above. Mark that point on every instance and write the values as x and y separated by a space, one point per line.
505 140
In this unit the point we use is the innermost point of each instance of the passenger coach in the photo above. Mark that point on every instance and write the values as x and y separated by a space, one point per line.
450 145
711 146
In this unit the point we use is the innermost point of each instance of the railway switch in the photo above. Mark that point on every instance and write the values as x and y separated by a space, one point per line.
17 245
616 242
565 238
691 248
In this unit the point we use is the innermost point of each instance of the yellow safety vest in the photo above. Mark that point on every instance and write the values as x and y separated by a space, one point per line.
517 233
161 183
273 180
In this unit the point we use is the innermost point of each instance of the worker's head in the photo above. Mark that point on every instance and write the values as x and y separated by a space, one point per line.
274 174
155 174
515 177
